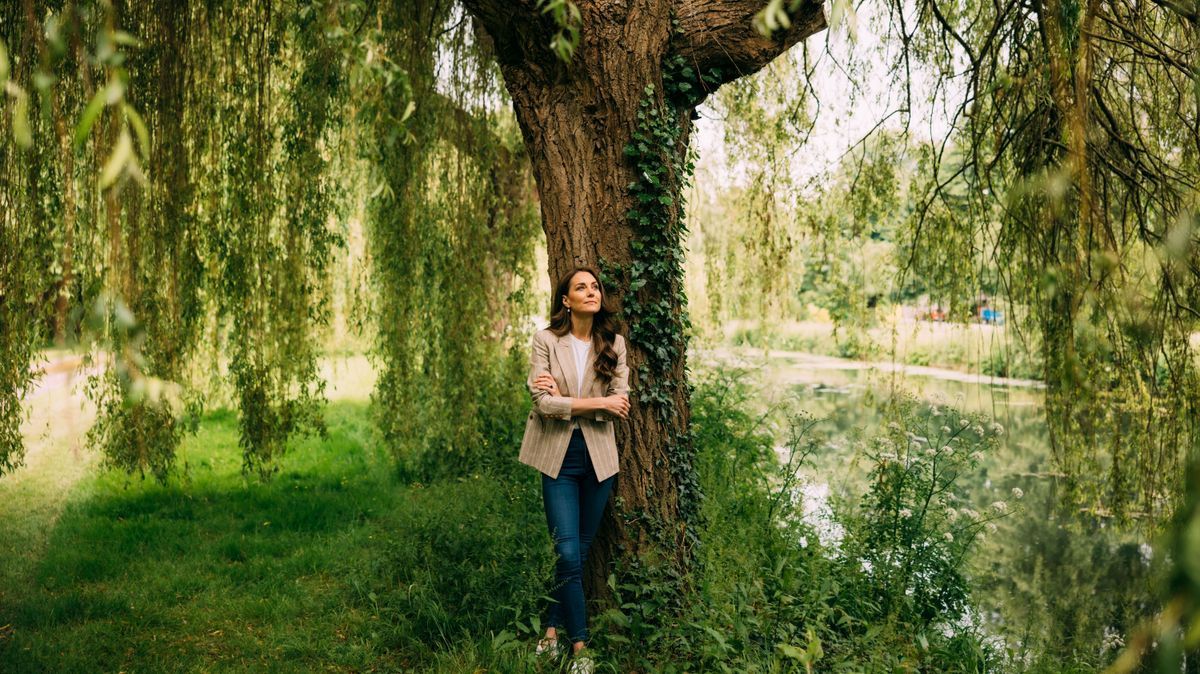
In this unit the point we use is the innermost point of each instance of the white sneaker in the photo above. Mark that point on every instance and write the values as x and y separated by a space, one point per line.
548 647
581 664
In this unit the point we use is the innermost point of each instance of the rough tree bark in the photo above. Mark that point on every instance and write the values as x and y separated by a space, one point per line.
576 120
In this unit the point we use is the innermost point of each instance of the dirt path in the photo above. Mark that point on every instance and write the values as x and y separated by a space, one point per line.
32 497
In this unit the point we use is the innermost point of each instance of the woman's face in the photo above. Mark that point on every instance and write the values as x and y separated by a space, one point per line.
583 294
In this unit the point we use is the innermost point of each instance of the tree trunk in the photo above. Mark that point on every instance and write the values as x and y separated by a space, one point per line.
576 120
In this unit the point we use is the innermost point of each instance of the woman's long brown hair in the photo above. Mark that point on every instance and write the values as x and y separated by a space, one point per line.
604 324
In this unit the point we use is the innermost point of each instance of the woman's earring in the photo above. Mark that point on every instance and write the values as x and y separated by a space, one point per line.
568 310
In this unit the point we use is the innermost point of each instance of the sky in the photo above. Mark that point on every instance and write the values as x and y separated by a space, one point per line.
855 93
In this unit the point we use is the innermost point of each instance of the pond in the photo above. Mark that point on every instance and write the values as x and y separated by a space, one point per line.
1047 580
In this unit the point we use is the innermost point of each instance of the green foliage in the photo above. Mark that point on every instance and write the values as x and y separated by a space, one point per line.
185 191
210 567
656 272
655 305
206 209
336 563
915 531
451 229
749 247
771 594
1072 179
475 559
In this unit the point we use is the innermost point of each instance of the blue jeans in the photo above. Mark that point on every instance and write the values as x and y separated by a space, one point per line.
574 503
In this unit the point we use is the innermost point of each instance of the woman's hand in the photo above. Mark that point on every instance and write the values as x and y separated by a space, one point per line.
617 404
545 381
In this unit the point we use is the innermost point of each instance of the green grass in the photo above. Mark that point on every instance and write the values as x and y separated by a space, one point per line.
338 564
326 567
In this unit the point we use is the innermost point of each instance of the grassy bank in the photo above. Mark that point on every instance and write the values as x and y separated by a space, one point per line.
974 348
338 564
330 566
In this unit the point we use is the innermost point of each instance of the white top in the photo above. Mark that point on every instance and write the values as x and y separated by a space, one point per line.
581 348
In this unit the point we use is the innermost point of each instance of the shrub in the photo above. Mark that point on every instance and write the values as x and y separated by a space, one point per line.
774 591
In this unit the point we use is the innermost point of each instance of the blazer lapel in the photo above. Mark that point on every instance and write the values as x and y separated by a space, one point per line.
566 361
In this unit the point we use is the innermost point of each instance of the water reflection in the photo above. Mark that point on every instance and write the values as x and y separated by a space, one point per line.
1053 586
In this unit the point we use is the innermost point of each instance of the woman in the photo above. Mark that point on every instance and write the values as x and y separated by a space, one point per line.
580 386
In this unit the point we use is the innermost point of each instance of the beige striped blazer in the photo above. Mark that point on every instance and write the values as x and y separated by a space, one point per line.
548 430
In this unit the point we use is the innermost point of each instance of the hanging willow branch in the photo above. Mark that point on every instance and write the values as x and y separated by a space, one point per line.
452 229
203 219
1078 135
169 189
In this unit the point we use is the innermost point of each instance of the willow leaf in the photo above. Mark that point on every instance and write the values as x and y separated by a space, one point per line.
116 163
88 118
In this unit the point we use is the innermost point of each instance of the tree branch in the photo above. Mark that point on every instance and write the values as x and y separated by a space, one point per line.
512 24
721 34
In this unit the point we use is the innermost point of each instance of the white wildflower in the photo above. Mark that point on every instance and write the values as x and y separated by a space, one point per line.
934 411
1000 506
893 426
1017 493
949 537
1147 553
977 429
947 449
991 527
1112 640
997 428
976 456
929 451
905 513
945 429
963 423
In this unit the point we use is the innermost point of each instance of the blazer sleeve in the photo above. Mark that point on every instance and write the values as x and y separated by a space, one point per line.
619 384
558 407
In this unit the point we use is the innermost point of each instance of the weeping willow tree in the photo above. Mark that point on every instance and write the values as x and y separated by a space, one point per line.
176 184
177 177
605 95
1067 183
748 246
451 231
1076 139
171 171
199 233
